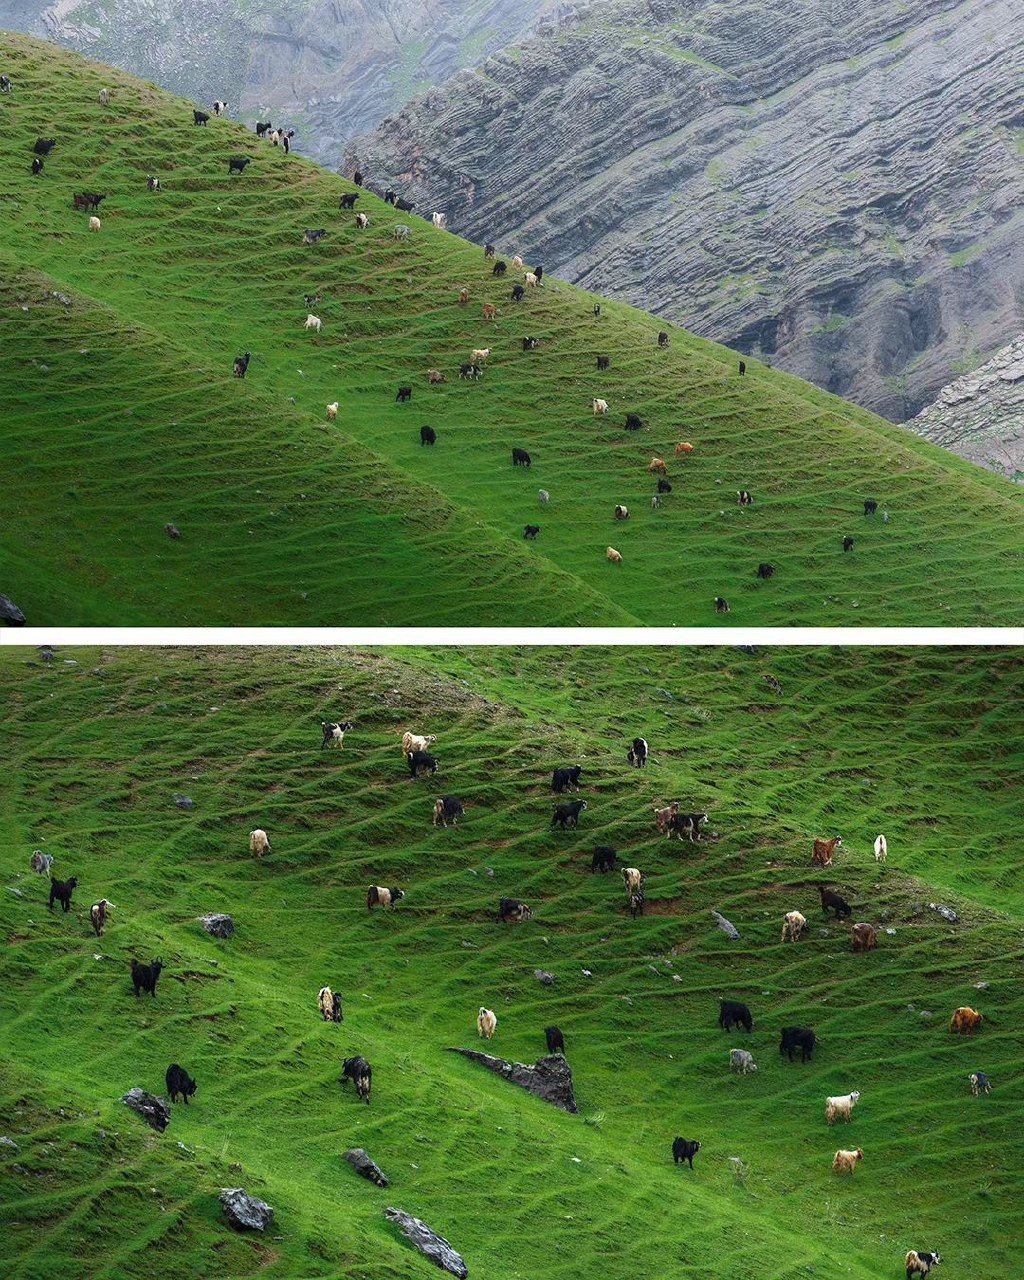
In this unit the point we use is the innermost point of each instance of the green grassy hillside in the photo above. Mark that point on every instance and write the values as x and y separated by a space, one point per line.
922 744
121 416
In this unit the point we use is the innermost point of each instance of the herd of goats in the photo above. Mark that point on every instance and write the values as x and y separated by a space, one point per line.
669 820
472 369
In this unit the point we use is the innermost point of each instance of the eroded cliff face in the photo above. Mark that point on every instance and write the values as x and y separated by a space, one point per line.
330 68
833 186
980 415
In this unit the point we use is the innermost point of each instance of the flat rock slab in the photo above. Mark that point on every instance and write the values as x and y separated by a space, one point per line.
362 1163
245 1212
549 1079
429 1243
218 925
155 1111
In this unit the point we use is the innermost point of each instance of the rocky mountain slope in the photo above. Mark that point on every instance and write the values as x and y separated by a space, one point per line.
836 187
330 67
981 415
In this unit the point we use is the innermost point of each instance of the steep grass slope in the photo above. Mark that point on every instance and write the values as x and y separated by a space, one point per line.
122 416
922 744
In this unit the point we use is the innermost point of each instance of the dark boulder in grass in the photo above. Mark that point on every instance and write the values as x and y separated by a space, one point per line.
155 1111
369 1169
429 1243
549 1079
10 613
243 1211
219 926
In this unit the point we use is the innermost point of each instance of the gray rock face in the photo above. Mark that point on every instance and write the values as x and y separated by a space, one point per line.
369 1169
429 1243
10 613
329 68
549 1078
243 1211
726 926
981 415
834 185
155 1111
183 801
219 926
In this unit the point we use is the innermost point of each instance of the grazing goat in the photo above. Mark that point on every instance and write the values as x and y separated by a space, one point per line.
313 235
919 1263
263 127
566 778
416 741
499 269
742 1061
554 1040
881 848
603 362
621 512
734 1013
37 165
490 313
635 901
5 84
463 297
435 377
980 1083
663 816
488 251
663 339
200 117
870 506
743 366
965 1020
144 976
447 809
427 435
864 937
657 466
633 878
359 1071
153 183
403 395
518 294
847 543
743 498
600 406
378 896
313 322
334 733
614 556
61 891
332 411
684 446
765 571
567 814
41 862
95 224
686 824
721 605
486 1023
634 422
517 262
530 532
543 496
422 764
793 925
831 901
604 858
98 916
514 910
839 1109
664 486
531 280
684 1151
242 364
794 1038
824 851
362 221
219 107
846 1161
238 164
259 843
479 354
329 1004
178 1081
638 753
87 200
348 200
520 458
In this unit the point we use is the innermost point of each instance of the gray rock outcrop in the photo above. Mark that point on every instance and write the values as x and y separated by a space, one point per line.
981 414
429 1243
220 926
155 1111
548 1078
369 1169
243 1211
836 187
